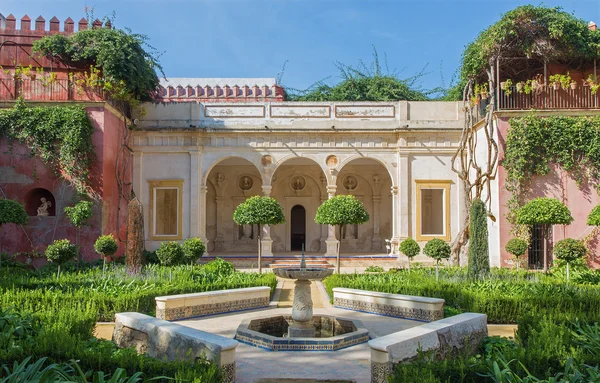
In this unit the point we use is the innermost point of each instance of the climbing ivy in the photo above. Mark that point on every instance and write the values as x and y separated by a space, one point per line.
534 143
60 135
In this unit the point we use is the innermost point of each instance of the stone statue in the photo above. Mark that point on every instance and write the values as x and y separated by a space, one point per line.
42 211
220 179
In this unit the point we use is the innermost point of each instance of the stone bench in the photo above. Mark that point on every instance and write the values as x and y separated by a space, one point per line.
394 305
458 334
182 306
166 340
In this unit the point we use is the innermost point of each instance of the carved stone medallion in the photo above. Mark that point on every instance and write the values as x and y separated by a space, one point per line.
298 183
245 183
350 182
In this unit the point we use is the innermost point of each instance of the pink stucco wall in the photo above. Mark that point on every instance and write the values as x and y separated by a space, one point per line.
580 199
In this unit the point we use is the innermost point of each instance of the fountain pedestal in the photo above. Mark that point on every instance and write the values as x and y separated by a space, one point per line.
302 311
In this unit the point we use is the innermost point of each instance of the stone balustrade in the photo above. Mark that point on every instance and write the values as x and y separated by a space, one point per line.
395 305
461 333
166 340
183 306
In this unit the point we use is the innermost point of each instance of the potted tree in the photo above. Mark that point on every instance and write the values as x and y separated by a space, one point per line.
546 212
339 211
193 250
259 211
410 248
11 212
438 250
61 251
106 246
569 250
170 254
517 247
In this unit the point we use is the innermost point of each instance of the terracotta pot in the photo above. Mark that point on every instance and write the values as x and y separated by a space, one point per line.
573 85
556 85
520 87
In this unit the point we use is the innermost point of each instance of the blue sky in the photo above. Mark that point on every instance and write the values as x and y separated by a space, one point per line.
253 38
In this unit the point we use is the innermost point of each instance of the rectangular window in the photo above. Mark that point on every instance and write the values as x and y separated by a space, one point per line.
433 210
165 209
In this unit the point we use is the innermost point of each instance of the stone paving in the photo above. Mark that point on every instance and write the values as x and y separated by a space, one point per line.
254 364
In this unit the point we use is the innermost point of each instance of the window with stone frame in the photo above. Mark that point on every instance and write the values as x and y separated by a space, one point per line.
433 210
166 209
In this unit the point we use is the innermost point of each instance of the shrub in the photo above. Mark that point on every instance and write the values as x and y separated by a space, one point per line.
193 249
517 247
569 250
544 211
170 253
105 245
12 212
594 217
80 213
374 269
438 250
61 251
220 267
410 248
479 257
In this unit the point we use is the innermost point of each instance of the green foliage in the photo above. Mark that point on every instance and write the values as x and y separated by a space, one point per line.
544 211
126 66
410 248
61 251
341 210
479 257
437 249
569 249
504 296
193 249
259 210
517 247
170 253
219 266
594 217
106 245
80 213
60 135
12 212
534 32
374 269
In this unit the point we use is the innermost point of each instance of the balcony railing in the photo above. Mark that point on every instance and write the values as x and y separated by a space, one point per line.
548 97
55 90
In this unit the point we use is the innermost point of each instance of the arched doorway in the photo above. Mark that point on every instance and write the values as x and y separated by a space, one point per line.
298 227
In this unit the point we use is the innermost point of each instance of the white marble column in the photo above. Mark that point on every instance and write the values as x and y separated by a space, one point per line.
219 201
202 190
396 215
195 213
404 189
376 241
331 241
266 242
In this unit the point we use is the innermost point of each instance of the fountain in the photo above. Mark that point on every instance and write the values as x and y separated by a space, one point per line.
302 331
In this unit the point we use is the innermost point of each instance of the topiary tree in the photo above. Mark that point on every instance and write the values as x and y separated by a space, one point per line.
193 250
61 251
259 211
410 248
79 215
339 211
11 212
438 250
517 247
170 254
594 217
569 250
479 255
105 245
546 212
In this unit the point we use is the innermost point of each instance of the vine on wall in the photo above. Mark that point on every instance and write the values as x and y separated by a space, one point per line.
60 135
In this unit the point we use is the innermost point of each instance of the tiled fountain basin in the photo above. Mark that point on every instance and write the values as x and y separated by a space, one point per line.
332 333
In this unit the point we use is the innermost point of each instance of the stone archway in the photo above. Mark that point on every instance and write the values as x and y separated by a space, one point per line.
230 182
370 182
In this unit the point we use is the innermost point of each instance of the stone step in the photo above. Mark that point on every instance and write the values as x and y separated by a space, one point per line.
297 265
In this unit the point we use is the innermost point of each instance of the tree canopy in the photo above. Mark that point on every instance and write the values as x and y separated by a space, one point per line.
544 211
594 217
259 210
12 212
341 210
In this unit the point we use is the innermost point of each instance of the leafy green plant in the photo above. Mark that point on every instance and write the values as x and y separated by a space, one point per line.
61 251
410 248
593 83
374 269
259 211
80 213
569 250
544 211
11 212
193 249
219 267
339 211
517 247
564 80
594 217
106 246
479 257
170 254
438 250
506 86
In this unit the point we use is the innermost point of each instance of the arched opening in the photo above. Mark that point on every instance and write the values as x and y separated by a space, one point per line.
297 227
40 202
229 183
299 183
369 181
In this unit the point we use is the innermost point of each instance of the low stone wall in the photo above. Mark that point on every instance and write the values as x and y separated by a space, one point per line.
166 340
394 305
458 334
183 306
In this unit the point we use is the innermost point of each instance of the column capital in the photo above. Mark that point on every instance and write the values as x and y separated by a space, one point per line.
267 190
331 189
394 190
203 189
